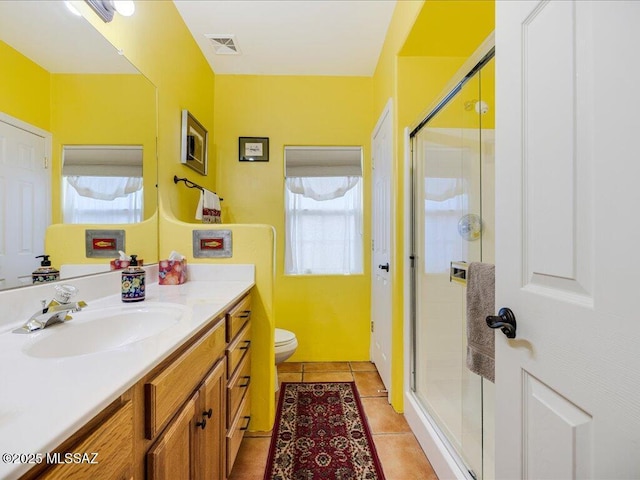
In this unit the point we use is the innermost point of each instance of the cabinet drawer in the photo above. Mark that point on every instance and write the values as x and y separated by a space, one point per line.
167 391
112 441
236 389
237 317
237 350
236 432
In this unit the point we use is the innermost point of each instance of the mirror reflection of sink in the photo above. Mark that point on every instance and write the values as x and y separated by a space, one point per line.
109 328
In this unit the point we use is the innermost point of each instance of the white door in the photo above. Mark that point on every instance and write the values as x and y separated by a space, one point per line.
568 236
25 200
382 153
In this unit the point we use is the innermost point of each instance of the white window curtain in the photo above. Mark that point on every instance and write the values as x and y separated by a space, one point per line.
105 188
324 225
102 183
446 201
105 200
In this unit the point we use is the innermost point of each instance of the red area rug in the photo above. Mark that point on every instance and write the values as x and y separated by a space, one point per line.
321 433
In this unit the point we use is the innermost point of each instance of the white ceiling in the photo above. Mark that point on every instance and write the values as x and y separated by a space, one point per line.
60 42
276 37
292 37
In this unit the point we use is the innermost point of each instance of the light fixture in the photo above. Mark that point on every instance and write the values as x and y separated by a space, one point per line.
126 8
72 9
106 8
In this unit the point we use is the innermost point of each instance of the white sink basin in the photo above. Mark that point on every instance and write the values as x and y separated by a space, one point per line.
99 330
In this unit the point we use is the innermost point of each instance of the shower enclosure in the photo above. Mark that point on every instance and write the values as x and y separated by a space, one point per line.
453 207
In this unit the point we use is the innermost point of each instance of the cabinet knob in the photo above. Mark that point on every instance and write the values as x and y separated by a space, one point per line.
202 424
207 413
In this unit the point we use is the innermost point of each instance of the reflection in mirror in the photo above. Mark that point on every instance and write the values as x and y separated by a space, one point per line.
64 86
102 183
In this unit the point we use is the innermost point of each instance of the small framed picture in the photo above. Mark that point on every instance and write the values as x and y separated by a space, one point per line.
253 149
193 148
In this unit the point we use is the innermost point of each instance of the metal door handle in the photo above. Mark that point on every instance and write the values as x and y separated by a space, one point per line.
384 267
505 321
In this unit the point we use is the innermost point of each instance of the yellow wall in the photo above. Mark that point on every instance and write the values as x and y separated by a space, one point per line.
420 81
426 43
159 44
385 77
252 244
75 109
329 314
66 242
104 110
298 110
449 28
25 88
385 86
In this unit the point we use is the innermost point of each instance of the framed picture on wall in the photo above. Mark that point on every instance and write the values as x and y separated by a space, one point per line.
253 149
193 149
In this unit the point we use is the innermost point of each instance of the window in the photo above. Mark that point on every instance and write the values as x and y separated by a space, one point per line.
102 184
323 206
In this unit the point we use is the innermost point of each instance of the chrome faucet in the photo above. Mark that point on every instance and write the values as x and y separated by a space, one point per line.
56 311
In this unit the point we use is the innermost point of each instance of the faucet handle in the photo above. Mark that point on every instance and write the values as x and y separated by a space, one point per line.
64 293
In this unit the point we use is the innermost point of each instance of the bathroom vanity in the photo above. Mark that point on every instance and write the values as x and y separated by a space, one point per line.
171 401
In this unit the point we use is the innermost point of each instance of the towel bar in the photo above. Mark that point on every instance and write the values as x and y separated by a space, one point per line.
189 183
458 272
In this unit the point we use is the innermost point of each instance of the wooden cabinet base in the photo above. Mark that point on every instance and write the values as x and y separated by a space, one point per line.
173 423
107 452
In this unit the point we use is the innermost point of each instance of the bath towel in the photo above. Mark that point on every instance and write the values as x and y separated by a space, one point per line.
480 304
209 210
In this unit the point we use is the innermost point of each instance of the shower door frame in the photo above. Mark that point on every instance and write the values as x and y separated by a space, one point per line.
443 455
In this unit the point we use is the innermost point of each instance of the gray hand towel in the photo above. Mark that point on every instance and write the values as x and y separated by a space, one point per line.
480 304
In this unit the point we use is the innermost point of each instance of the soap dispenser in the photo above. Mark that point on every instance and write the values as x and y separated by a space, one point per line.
133 282
45 272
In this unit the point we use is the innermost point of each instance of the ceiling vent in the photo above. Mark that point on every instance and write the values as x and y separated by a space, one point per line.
223 44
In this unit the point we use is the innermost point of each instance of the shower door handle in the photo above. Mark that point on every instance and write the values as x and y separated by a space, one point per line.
505 321
384 267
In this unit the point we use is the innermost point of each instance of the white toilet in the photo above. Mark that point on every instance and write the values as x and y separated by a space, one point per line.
286 344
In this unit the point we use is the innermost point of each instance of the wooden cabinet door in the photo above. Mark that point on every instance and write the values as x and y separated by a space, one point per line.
174 454
211 438
107 451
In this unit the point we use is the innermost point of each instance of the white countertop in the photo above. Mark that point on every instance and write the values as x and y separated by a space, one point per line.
43 401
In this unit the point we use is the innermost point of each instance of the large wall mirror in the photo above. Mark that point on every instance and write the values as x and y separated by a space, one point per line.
64 82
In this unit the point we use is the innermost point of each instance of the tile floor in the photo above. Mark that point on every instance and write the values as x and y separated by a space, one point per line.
398 450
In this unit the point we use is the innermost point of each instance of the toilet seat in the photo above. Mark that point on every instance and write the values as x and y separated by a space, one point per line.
284 337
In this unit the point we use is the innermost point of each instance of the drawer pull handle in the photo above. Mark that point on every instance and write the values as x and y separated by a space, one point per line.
248 419
248 378
245 314
202 424
207 414
247 343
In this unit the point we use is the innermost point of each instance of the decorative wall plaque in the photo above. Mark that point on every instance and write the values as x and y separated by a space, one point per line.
104 243
212 244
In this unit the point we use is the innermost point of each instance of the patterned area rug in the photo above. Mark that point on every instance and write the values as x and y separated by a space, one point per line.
321 433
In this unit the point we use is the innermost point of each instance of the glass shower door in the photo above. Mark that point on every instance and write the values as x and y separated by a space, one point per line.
447 219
